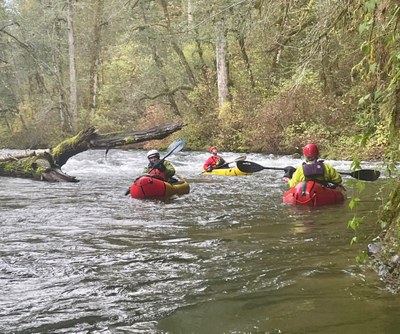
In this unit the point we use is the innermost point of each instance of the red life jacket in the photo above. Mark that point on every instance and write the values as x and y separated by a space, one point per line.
211 161
156 171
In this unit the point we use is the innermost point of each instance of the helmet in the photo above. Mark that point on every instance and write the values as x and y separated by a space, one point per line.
152 154
213 148
311 150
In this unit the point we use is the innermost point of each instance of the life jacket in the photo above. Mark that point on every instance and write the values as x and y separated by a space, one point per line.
156 171
212 161
313 170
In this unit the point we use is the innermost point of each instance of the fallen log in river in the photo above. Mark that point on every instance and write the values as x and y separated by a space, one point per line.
45 164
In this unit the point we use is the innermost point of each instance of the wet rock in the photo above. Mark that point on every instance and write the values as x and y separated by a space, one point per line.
373 248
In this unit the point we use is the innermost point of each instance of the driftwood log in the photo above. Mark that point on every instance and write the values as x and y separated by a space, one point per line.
45 164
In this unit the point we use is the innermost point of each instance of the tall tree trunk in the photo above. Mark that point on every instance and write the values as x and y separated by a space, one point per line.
328 66
194 32
64 112
176 46
169 93
72 66
245 57
222 67
279 47
205 70
190 10
95 55
158 61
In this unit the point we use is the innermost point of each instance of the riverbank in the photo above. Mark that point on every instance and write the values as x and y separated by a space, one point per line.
385 257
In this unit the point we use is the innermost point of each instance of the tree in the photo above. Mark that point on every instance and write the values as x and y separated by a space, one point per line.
72 67
95 55
222 67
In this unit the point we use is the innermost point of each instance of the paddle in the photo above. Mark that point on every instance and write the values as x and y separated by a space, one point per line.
226 164
362 174
176 146
252 167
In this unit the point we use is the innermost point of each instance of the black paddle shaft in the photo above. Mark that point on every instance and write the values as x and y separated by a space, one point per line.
252 167
362 174
226 164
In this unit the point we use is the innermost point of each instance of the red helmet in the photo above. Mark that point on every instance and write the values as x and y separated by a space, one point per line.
311 150
213 148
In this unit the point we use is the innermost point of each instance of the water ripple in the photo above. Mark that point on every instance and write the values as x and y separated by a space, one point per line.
227 258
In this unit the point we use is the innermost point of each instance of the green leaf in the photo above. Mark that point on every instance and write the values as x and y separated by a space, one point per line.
356 164
354 223
365 48
372 68
360 186
370 5
363 27
354 202
362 100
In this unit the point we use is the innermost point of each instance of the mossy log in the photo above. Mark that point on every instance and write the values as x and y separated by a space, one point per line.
45 165
34 165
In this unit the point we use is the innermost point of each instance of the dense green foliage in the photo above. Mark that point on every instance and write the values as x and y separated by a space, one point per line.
295 72
380 69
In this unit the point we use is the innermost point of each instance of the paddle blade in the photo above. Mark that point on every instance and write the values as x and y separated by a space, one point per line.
248 166
365 174
241 158
252 167
176 146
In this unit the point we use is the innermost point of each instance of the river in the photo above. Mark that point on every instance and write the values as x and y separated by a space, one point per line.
229 257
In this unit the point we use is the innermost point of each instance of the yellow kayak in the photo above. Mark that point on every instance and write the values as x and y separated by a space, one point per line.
233 171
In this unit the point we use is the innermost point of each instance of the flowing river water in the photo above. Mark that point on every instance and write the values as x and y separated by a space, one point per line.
229 257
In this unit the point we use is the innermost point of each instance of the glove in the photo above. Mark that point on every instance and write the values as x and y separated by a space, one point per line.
209 169
289 170
161 167
220 162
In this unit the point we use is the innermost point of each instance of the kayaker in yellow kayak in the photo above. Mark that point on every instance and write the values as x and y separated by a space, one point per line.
214 161
312 169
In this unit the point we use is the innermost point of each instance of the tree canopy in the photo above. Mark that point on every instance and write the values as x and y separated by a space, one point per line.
260 75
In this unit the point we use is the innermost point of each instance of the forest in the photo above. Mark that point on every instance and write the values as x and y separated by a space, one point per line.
246 75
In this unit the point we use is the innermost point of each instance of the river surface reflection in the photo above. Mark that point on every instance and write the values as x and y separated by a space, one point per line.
229 257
